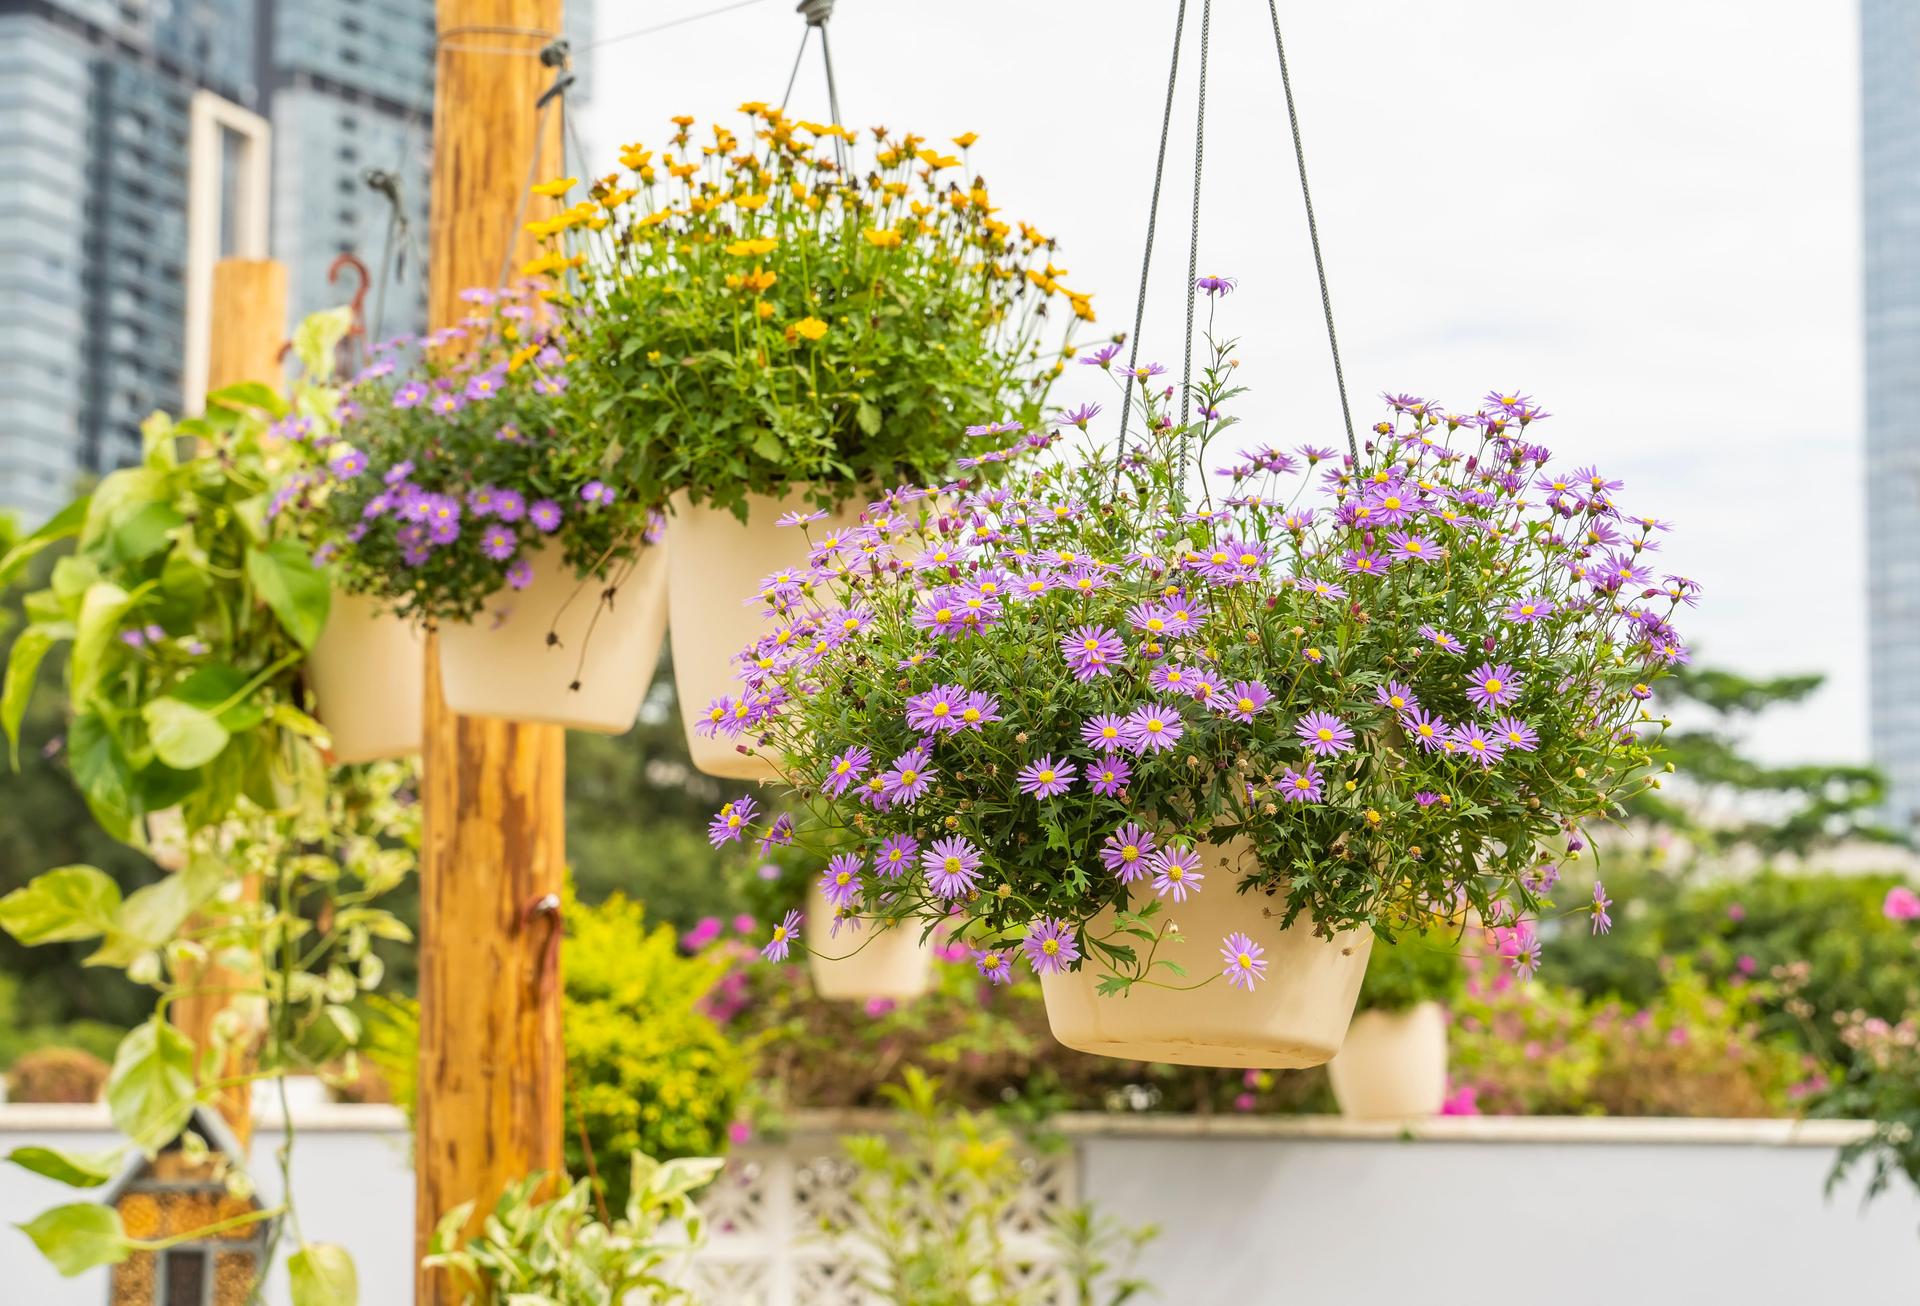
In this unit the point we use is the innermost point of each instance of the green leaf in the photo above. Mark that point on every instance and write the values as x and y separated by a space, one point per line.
154 914
184 737
62 525
293 587
143 532
248 394
150 1092
79 1237
159 442
322 1274
217 685
118 496
74 1169
315 339
101 609
868 418
768 446
30 647
72 902
100 767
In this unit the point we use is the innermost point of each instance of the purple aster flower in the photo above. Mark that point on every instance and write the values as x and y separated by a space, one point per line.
1523 611
1110 775
397 473
1080 416
1325 734
509 434
952 866
1521 948
1245 961
596 492
1516 734
936 710
1101 356
1184 614
895 855
1092 651
800 518
1216 286
1151 619
1602 923
1047 778
1362 563
1243 701
410 395
1477 744
545 514
1105 731
1128 852
498 542
840 882
979 709
845 770
1302 786
1493 686
509 505
1176 873
519 574
1324 589
1395 697
1415 548
909 778
1429 731
1152 728
485 385
1426 798
994 965
1050 947
784 933
446 404
550 385
938 613
346 463
1171 678
1441 639
731 821
778 835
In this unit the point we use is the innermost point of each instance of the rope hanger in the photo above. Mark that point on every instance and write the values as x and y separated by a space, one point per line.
1193 243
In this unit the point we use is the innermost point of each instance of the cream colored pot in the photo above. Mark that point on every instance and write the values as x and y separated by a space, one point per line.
861 964
503 664
1294 1017
367 673
1393 1064
715 565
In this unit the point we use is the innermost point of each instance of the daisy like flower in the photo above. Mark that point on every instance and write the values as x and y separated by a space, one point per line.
731 821
799 518
778 835
979 709
994 965
1476 743
936 710
498 542
1359 562
1414 548
1324 589
1176 873
1428 729
1092 651
545 514
1395 697
1245 700
1046 778
908 779
895 855
952 866
1050 947
1104 731
1525 611
1128 852
840 882
1151 619
1325 734
1246 961
1516 734
1493 686
1153 728
1441 639
1602 923
1184 614
1302 786
1171 678
846 770
1109 775
784 933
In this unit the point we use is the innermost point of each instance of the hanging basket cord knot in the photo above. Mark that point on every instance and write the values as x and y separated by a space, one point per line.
816 12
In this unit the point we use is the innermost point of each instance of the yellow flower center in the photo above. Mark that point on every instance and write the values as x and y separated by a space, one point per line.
1175 873
941 709
1245 704
1245 962
1493 686
1050 947
844 878
943 615
1046 777
951 865
1154 727
1130 853
908 777
1324 735
842 767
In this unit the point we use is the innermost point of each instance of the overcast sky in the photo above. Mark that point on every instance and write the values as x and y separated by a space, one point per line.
1644 213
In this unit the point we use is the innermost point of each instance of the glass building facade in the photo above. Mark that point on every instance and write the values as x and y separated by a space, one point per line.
1890 135
93 145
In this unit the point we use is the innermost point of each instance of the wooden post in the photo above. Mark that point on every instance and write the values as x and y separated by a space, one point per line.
494 849
248 327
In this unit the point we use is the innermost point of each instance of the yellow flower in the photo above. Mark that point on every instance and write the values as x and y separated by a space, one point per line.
754 107
763 309
557 187
634 157
880 239
964 139
549 262
681 120
751 201
752 248
520 356
936 161
810 328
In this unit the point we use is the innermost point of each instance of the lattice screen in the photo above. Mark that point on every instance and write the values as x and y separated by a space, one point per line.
766 1211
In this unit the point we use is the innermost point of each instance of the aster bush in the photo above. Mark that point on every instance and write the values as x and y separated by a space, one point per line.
1403 680
448 462
804 304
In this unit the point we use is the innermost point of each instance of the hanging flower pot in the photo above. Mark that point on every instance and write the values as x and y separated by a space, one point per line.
1295 1017
1393 1064
717 568
559 650
366 673
854 965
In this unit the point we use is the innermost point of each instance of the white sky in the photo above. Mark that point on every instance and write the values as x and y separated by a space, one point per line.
1644 213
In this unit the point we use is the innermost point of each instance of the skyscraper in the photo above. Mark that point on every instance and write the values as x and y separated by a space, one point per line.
1890 135
93 242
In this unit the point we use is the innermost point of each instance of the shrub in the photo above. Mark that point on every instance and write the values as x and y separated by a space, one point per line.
1418 968
57 1075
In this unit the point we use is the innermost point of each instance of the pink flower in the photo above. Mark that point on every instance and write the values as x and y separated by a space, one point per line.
1902 904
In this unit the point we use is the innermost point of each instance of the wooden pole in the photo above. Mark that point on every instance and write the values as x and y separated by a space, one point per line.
248 327
494 849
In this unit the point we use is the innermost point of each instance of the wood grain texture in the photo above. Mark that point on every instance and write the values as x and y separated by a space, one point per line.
491 1060
248 327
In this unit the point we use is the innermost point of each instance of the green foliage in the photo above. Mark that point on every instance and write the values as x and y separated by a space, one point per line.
532 1251
766 318
930 1207
1882 1085
1824 933
1412 969
185 618
1798 808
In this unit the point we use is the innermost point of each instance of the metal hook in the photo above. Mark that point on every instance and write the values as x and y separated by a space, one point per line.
358 304
816 12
